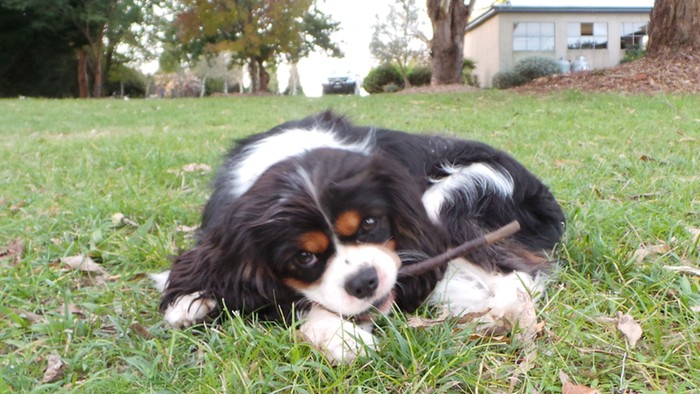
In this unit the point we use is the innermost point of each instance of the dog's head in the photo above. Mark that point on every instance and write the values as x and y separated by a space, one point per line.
330 226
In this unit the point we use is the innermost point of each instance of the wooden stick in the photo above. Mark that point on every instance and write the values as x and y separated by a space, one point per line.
469 246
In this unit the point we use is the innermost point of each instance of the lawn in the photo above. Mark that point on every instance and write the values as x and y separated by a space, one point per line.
626 169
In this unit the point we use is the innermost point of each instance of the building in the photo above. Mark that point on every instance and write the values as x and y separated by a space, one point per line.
506 33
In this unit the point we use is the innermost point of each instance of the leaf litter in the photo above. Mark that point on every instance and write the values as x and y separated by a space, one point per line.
54 369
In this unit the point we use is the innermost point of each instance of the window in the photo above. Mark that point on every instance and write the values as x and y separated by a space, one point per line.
587 35
533 36
633 34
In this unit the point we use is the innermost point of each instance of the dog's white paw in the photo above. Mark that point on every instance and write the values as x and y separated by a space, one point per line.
188 310
340 341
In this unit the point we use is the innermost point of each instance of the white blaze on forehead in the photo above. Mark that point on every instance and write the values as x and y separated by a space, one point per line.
261 155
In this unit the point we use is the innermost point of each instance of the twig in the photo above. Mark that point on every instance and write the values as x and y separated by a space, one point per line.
469 246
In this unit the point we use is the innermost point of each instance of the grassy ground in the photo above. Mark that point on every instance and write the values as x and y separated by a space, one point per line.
626 170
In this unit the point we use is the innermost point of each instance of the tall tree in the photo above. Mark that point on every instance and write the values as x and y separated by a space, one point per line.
449 20
674 26
396 39
101 25
256 32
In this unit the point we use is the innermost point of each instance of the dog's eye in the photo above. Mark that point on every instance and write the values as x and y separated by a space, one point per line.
368 224
306 259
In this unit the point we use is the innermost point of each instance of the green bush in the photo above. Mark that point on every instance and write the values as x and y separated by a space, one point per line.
381 76
419 76
633 53
535 67
507 79
131 80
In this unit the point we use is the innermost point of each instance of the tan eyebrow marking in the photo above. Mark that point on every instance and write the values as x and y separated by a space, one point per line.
347 223
314 242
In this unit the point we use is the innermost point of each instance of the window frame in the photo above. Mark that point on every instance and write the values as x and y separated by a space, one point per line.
599 37
532 37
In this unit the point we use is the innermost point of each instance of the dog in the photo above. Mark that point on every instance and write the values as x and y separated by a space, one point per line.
314 218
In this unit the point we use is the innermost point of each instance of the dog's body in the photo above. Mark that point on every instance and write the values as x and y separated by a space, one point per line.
316 217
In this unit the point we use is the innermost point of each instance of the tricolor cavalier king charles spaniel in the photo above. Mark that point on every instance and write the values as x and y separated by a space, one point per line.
315 217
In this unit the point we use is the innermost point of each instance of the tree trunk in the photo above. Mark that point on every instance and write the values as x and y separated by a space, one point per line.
293 87
97 87
254 75
674 26
449 20
83 87
264 77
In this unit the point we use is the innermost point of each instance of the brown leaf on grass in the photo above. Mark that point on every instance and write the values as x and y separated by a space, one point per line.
83 263
569 388
650 250
527 318
54 369
141 331
13 251
445 315
423 322
196 167
186 229
629 328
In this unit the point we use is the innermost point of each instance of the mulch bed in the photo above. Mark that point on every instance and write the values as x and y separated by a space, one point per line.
673 73
677 73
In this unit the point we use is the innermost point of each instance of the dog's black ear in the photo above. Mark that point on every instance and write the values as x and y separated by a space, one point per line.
417 237
224 265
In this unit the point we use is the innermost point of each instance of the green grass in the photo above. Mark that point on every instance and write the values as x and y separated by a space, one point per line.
625 168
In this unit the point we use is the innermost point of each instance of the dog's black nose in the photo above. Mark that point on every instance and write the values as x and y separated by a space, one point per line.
363 284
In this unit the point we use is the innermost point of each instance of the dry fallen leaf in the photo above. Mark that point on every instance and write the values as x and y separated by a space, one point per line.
422 322
569 388
54 369
13 251
141 331
196 167
527 318
186 229
83 263
651 250
630 328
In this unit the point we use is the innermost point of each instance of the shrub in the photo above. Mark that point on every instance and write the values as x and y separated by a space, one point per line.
507 79
419 76
535 67
130 80
381 76
391 88
636 52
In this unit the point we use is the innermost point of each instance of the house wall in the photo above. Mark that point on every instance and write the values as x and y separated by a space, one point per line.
483 46
497 32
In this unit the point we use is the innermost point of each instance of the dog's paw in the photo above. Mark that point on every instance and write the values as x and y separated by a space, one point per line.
340 341
188 310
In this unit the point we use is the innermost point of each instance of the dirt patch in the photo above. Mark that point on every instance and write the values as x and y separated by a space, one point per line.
678 73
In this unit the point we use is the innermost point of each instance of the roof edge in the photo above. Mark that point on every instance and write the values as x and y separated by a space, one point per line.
508 9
